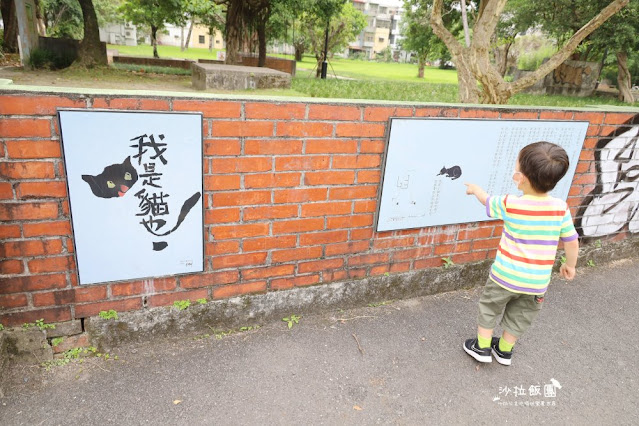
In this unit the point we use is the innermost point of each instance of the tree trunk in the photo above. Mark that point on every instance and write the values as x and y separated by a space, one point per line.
466 83
421 63
188 35
624 79
10 24
261 36
234 31
91 52
465 23
154 40
299 52
211 37
318 69
42 29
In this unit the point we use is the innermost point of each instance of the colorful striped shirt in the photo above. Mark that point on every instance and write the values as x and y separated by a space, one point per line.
533 227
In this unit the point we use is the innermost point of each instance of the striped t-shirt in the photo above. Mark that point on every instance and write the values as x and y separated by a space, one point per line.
533 227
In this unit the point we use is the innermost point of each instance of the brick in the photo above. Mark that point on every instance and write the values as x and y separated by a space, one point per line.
382 244
243 198
520 115
317 238
433 262
400 267
270 212
9 231
299 195
51 264
25 128
30 248
361 161
93 309
429 112
304 129
233 261
592 117
132 104
27 170
33 149
272 147
72 342
32 283
229 215
329 178
618 118
242 128
415 253
326 209
241 165
347 248
365 206
471 234
585 179
48 315
239 231
353 221
28 211
149 286
334 112
368 259
320 265
233 290
272 180
369 176
268 243
166 299
6 191
8 267
303 253
379 270
40 105
269 272
297 226
61 228
284 283
222 147
48 189
274 111
384 113
361 234
478 113
353 192
208 280
330 276
555 115
469 257
370 147
210 109
13 301
221 247
360 130
331 146
489 243
68 297
221 182
308 162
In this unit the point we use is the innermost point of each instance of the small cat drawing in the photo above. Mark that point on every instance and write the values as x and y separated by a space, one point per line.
453 173
114 181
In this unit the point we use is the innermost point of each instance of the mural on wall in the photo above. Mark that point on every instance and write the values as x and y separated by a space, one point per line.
614 203
135 192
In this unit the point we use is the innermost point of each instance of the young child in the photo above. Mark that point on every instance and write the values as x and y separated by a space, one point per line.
533 225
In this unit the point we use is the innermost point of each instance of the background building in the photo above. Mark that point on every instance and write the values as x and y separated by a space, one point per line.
382 30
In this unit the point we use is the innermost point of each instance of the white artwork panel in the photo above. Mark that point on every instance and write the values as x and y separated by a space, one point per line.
135 192
428 160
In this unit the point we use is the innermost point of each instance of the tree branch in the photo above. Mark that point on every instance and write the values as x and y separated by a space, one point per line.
488 19
570 46
440 30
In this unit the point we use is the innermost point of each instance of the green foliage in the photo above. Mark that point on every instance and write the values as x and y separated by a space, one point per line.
1 327
38 323
107 315
201 301
386 55
378 304
530 61
591 263
56 341
292 319
562 260
64 18
151 69
448 262
182 304
76 355
598 244
43 58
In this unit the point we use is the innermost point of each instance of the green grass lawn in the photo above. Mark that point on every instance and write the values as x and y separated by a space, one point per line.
373 80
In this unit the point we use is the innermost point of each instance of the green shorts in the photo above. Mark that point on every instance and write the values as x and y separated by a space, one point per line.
519 309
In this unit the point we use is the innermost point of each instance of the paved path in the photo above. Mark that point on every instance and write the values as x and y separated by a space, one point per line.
411 369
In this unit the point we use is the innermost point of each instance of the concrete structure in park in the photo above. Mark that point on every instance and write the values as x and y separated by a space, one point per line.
234 77
383 27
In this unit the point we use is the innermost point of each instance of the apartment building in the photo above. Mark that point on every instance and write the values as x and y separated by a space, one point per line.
382 29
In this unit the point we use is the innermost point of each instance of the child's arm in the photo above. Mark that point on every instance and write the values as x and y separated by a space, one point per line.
567 270
477 191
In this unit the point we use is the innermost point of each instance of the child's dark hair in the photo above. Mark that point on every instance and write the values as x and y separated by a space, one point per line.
544 164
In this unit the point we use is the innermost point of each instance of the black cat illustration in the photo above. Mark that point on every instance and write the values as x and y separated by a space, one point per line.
114 181
453 173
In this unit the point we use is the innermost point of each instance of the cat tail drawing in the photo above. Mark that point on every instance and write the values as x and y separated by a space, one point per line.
186 208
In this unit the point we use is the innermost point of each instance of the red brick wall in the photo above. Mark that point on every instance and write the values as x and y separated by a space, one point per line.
290 197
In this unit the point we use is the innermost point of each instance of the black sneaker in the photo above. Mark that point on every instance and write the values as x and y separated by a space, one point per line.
502 357
472 348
